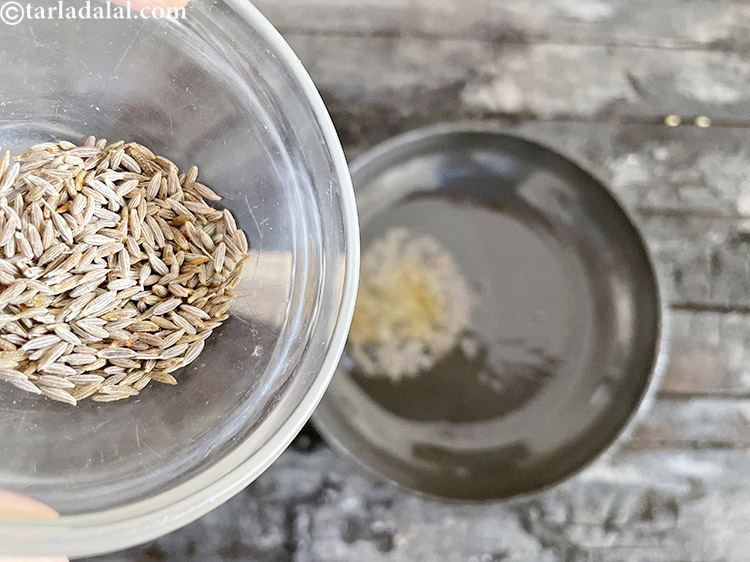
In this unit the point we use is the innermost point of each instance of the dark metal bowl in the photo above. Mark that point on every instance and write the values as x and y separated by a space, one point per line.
566 331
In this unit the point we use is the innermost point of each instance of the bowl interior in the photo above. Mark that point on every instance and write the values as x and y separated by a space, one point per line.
565 327
218 90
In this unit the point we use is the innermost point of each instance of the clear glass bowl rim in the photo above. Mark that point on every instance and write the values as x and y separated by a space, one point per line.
121 528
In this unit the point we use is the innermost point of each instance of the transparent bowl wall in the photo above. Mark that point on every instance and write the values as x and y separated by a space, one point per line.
222 90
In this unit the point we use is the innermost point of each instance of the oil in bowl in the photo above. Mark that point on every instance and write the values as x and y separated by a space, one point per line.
508 322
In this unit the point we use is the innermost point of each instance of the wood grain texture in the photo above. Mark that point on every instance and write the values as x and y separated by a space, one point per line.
694 423
709 355
542 81
675 24
638 506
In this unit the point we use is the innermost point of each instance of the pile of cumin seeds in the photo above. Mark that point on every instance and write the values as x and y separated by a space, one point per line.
113 269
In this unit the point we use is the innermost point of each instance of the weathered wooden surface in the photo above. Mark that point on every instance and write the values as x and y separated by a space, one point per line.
593 79
676 24
641 506
526 80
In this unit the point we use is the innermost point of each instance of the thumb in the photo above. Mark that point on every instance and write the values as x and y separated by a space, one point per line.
13 505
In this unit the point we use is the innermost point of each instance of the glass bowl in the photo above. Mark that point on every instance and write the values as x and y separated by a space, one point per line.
220 89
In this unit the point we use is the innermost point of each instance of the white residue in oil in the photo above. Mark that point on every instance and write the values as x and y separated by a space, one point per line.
412 306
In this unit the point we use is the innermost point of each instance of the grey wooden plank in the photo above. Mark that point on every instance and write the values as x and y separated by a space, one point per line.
704 261
709 355
708 423
667 24
445 79
638 506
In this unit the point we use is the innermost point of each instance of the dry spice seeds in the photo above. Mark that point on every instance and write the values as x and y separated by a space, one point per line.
113 269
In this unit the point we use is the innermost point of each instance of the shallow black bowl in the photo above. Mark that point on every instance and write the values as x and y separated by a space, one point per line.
566 330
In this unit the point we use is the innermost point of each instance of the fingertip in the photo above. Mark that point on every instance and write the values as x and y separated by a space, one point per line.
15 505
